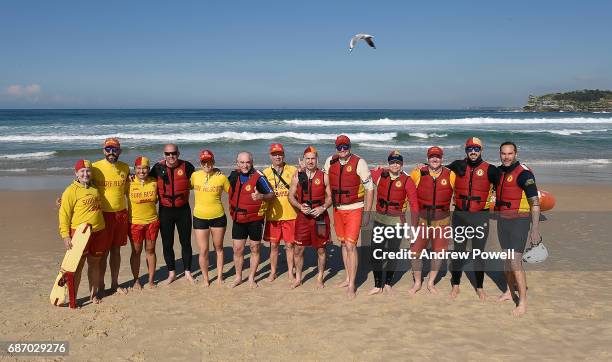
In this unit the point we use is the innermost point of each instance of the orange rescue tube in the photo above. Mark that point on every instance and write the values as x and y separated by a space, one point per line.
547 200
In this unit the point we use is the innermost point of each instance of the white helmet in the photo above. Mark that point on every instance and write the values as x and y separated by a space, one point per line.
535 253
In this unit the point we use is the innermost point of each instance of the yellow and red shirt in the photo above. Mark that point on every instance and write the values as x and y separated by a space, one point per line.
112 181
80 204
142 201
279 208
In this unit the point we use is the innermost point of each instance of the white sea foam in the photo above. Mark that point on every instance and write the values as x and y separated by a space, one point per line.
427 135
28 156
446 122
14 170
210 137
402 147
571 162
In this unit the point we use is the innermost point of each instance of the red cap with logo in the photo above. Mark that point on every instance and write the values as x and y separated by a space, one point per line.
343 140
82 164
435 151
310 149
277 148
141 161
112 142
473 142
206 155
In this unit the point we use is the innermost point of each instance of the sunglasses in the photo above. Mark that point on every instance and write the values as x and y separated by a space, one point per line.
395 162
114 150
473 149
171 153
343 147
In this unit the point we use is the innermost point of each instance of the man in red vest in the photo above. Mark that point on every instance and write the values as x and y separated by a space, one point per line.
172 175
310 193
394 191
435 184
249 191
352 193
473 187
518 208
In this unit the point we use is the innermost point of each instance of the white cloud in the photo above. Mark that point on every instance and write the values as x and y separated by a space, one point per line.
23 91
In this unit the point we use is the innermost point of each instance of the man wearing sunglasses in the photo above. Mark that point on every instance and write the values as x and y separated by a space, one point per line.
110 176
173 185
352 190
474 183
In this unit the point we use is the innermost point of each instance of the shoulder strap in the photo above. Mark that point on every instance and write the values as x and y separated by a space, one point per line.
282 180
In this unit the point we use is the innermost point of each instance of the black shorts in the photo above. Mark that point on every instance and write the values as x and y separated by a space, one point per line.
252 230
513 233
218 222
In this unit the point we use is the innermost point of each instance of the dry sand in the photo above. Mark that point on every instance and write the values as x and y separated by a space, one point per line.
569 315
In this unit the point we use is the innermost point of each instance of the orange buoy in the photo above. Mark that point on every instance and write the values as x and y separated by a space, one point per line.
547 200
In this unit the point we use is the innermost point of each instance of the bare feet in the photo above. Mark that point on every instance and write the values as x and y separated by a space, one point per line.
205 283
137 285
95 300
519 310
296 283
389 290
375 291
117 289
454 292
415 288
252 283
504 297
235 283
189 278
343 284
319 283
151 285
481 294
271 277
171 278
432 288
220 282
351 292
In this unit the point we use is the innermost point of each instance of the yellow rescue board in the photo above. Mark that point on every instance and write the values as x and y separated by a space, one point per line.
60 291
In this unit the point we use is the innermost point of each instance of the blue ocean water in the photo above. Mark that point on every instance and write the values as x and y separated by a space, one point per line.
564 146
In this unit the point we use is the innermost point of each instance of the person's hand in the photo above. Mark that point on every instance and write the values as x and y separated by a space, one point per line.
68 243
365 219
58 202
535 237
317 211
420 165
256 195
132 177
301 166
304 208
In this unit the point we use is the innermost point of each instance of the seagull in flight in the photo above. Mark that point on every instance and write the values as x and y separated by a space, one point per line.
365 37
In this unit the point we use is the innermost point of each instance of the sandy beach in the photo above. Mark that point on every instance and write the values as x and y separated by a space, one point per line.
569 315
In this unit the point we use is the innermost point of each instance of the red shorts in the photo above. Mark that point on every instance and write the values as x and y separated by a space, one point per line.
96 245
306 231
280 230
141 232
116 229
347 224
438 241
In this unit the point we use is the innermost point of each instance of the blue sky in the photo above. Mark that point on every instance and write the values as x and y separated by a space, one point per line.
275 54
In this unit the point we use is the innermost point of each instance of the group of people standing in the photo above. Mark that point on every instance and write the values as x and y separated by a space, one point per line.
289 204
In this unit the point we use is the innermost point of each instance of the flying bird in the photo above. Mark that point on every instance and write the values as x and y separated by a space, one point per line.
365 37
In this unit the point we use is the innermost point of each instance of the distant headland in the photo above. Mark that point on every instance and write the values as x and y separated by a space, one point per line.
577 101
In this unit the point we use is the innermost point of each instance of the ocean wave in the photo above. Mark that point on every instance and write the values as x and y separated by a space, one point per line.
446 122
571 162
427 135
209 137
14 170
403 147
28 156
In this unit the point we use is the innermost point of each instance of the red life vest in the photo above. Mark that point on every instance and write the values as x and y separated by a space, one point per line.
511 201
174 192
391 194
344 181
311 191
472 189
243 208
434 195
